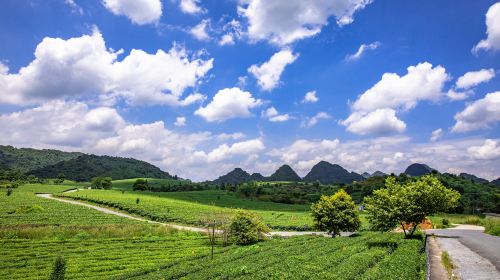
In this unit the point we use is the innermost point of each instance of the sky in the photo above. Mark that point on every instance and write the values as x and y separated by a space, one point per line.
200 87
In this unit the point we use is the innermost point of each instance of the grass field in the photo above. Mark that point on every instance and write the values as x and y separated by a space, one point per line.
190 207
368 256
127 184
23 207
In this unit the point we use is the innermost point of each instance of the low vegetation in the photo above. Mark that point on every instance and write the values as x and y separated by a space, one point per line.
336 213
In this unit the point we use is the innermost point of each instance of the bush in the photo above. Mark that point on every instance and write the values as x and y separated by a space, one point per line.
472 220
101 183
59 269
9 191
247 228
445 222
336 213
140 185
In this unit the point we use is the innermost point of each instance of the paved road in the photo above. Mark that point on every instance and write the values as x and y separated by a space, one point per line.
128 216
476 254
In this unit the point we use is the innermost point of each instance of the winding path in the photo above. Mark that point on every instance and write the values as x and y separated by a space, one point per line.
196 229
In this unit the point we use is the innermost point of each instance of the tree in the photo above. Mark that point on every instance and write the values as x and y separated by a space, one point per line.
59 269
408 203
140 185
247 228
336 213
60 178
217 225
101 183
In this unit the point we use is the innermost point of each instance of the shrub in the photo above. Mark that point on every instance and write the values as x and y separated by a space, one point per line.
137 200
59 269
101 183
247 228
471 220
445 222
336 213
9 191
140 185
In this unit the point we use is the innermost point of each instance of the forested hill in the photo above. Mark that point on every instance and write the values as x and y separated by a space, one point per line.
85 167
26 159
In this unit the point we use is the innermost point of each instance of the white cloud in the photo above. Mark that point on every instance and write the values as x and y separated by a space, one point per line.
488 151
284 22
422 82
361 50
492 41
436 134
138 11
375 110
312 121
74 7
310 97
191 7
200 31
380 121
226 39
479 114
472 79
224 151
273 116
180 121
231 136
83 68
227 104
268 74
457 96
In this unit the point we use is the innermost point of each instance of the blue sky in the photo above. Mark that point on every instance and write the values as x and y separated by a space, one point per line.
201 87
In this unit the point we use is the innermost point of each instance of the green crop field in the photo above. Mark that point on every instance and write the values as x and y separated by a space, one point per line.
191 207
95 258
127 184
368 256
23 207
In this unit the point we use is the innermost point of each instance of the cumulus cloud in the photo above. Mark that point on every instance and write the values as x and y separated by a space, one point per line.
436 134
312 121
375 110
361 50
284 22
83 67
472 79
231 136
479 114
310 97
380 121
454 95
191 7
268 74
273 116
492 41
180 121
224 151
200 30
488 151
227 104
138 11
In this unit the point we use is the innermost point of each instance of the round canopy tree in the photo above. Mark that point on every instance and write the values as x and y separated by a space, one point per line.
336 213
408 203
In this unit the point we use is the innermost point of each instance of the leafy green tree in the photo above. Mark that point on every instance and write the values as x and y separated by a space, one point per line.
59 269
336 213
140 185
247 228
408 203
101 183
60 178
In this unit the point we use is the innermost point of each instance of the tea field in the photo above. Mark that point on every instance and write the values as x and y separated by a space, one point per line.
190 207
368 256
127 184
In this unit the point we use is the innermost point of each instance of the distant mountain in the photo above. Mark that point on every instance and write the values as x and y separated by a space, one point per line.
496 182
418 169
285 173
327 173
366 175
237 176
473 178
26 159
378 173
85 167
257 177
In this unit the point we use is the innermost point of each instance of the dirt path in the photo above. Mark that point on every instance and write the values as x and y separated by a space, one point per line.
128 216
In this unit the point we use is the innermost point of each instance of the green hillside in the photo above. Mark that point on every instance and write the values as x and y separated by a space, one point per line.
26 159
85 167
